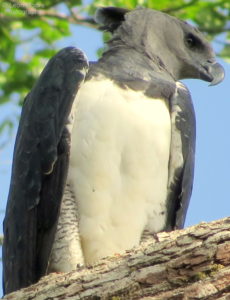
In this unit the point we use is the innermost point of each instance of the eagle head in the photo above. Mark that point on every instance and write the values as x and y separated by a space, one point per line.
177 46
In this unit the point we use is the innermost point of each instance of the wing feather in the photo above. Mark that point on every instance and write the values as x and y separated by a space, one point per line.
39 171
181 163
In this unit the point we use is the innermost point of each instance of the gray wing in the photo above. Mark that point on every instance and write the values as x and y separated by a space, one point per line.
181 164
39 172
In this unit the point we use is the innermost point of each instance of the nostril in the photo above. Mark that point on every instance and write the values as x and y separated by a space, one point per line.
211 60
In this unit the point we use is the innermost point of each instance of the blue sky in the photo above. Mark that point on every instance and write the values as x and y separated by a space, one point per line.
212 106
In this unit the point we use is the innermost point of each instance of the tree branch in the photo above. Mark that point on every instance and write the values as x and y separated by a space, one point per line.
186 264
176 8
31 12
214 30
24 7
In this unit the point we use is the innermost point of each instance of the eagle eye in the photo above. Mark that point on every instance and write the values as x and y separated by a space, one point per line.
192 42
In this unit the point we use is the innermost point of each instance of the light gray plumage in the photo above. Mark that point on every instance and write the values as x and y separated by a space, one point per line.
106 145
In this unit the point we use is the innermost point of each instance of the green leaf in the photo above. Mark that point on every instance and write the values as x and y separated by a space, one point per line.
225 53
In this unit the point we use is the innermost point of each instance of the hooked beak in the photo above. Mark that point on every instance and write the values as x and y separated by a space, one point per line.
212 72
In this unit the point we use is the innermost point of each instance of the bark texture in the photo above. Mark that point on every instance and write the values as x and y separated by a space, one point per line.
193 263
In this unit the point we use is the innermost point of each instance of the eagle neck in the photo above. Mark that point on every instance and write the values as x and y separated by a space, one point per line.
124 62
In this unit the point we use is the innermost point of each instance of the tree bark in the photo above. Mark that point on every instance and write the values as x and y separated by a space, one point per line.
193 263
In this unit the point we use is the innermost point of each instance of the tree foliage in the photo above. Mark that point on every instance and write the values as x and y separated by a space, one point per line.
36 26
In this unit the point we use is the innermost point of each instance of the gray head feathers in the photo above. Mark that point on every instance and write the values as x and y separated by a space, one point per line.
174 45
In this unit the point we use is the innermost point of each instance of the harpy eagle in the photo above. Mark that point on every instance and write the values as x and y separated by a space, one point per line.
105 151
